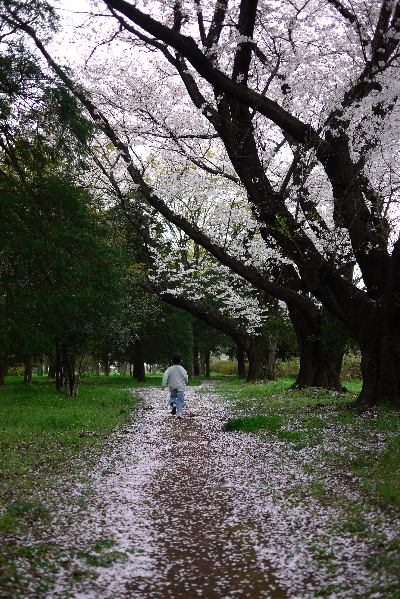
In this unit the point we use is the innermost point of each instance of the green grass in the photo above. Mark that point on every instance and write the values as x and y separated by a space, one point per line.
316 417
42 434
349 449
253 423
279 394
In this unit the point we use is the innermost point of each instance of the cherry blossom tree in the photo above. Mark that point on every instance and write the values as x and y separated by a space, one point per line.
247 66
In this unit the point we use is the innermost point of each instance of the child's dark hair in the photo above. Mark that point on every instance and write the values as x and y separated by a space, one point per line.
177 358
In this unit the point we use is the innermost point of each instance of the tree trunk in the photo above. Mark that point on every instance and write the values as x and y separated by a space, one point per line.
154 369
68 361
380 363
122 369
207 364
106 364
321 350
52 366
139 369
241 362
40 366
190 369
271 357
45 366
202 364
196 362
3 368
59 372
138 363
258 354
28 368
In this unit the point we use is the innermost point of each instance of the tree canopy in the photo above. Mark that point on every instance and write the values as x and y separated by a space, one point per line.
295 107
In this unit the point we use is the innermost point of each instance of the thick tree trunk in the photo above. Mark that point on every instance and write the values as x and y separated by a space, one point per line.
321 350
139 369
241 362
28 368
122 369
261 363
138 363
105 362
271 357
380 364
154 369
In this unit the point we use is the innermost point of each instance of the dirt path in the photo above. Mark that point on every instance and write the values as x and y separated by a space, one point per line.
179 509
206 531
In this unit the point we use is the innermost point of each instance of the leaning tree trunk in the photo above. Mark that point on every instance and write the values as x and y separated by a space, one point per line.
321 345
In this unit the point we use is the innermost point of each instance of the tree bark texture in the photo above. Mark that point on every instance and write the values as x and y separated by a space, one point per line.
320 356
261 361
241 363
138 363
207 365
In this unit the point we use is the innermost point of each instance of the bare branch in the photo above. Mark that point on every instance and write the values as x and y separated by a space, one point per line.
201 23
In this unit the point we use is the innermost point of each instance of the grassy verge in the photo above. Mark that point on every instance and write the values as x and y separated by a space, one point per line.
344 455
46 439
42 434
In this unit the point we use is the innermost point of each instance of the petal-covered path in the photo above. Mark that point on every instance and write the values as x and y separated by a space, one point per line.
180 509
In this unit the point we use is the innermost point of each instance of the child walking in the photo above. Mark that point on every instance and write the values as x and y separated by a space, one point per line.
177 378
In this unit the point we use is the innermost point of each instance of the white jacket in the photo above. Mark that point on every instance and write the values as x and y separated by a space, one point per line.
177 377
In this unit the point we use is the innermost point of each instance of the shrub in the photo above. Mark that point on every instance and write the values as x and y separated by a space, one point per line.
225 367
16 370
351 367
289 369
